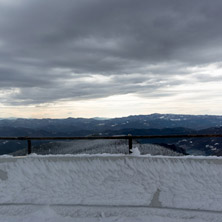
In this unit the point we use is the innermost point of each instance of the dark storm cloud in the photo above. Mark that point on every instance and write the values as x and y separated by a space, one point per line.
48 47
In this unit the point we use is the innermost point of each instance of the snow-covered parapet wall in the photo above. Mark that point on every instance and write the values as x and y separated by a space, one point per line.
172 182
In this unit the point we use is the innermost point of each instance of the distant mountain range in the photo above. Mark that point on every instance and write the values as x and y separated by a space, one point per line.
154 124
157 121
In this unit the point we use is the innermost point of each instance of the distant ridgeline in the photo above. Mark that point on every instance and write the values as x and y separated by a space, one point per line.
154 124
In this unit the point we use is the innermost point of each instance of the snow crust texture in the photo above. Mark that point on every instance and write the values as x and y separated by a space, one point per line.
181 183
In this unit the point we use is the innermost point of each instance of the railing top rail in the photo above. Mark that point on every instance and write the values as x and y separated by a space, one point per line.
113 137
65 138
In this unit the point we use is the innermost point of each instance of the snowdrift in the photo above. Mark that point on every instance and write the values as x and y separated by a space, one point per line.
115 180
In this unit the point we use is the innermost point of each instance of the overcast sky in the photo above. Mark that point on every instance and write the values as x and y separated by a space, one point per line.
61 58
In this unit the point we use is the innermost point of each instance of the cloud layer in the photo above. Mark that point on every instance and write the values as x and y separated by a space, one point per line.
57 50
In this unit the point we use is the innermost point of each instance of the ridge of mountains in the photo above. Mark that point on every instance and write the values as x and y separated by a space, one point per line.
154 124
156 120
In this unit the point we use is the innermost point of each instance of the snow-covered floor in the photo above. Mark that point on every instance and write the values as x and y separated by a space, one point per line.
110 214
110 188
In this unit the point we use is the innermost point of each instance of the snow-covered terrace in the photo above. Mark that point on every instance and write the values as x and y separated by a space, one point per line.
110 188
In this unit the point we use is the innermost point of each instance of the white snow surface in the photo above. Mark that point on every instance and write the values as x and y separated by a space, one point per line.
110 188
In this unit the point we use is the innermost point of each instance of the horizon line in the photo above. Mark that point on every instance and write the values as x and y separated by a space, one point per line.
107 118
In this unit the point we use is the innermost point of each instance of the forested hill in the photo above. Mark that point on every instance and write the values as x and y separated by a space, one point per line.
154 124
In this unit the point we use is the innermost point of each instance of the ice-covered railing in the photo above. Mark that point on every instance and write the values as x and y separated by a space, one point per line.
130 138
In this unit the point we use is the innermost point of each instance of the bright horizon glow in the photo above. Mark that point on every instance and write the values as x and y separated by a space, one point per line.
115 106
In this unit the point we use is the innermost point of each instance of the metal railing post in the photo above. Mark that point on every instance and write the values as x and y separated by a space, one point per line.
130 143
29 147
